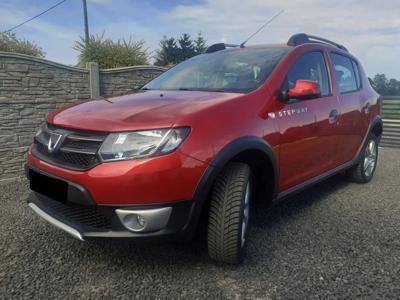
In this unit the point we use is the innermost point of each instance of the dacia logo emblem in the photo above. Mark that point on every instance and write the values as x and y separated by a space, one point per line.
53 141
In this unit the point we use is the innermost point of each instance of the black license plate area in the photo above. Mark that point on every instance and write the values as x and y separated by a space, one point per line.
53 188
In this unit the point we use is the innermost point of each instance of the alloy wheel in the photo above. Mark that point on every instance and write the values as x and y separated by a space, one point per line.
370 158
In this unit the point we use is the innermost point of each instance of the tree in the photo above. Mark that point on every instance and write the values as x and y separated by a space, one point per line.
173 51
386 87
379 83
393 87
186 47
111 54
169 52
10 43
199 44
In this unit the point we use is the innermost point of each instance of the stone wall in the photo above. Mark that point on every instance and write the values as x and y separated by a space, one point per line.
124 80
30 88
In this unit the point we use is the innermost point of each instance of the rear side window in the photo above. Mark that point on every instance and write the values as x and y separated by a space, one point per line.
311 66
345 74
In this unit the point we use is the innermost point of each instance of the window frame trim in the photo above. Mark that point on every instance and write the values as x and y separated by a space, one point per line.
354 62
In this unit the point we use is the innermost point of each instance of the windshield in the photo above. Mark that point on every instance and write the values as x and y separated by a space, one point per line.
238 70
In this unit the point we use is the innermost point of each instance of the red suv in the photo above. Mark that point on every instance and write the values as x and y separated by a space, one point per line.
204 142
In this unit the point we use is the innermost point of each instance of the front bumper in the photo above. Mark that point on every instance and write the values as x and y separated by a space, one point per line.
162 179
94 221
70 207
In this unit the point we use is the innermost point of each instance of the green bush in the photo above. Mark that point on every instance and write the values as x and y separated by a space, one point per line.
10 43
111 54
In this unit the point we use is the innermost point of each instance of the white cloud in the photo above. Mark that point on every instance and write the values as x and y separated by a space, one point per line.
370 29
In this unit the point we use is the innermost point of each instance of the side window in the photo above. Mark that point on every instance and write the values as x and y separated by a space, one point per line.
345 75
311 66
357 72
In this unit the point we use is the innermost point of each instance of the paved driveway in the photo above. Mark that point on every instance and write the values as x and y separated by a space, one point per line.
335 240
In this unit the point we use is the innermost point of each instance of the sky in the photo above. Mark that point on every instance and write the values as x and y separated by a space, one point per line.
369 29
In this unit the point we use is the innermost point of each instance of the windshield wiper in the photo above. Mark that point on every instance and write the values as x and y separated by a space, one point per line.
201 90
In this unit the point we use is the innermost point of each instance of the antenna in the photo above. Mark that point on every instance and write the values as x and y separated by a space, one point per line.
261 28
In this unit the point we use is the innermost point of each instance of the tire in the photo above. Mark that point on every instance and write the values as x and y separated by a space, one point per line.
364 170
229 214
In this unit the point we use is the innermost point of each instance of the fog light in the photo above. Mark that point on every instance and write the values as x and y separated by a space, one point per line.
134 222
141 220
144 220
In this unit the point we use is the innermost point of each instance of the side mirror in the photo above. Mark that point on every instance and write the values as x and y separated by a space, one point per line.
304 89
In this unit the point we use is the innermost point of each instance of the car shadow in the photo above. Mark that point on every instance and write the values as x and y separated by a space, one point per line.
285 209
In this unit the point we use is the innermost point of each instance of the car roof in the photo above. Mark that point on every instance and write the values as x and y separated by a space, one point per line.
313 45
296 40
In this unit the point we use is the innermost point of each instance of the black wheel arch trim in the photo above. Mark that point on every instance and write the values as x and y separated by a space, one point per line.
375 121
227 153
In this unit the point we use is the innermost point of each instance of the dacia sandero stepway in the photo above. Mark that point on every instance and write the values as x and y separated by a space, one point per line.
204 142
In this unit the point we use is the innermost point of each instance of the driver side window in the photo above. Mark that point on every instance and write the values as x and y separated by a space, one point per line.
310 66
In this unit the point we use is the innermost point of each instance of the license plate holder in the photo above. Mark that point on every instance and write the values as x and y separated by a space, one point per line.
51 187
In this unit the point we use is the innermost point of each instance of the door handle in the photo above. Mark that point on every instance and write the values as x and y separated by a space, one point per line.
366 107
333 116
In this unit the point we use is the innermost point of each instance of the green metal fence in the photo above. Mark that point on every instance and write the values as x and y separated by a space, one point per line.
390 112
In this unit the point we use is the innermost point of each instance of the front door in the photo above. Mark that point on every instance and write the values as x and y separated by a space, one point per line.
308 137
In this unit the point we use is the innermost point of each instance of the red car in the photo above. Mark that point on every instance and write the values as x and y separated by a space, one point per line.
206 141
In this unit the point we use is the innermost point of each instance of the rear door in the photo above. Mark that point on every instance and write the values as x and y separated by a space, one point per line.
352 102
308 127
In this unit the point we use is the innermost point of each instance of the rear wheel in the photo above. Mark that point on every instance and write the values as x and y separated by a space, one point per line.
365 169
229 214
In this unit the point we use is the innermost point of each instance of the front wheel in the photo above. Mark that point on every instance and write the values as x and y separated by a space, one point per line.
365 169
229 214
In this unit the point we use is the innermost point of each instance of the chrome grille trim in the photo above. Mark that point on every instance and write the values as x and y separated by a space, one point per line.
85 138
77 150
67 149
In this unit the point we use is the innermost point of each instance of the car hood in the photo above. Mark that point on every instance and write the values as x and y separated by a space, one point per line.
141 110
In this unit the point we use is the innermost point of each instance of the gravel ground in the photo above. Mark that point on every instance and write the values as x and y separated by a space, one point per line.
335 240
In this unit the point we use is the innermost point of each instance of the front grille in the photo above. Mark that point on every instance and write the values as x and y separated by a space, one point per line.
82 160
41 148
77 150
89 216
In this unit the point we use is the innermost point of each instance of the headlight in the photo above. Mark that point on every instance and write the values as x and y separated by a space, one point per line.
137 144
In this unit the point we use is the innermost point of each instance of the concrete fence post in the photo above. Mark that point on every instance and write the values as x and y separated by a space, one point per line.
94 79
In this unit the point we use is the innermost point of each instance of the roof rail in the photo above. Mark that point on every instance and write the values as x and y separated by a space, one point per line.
219 47
303 38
